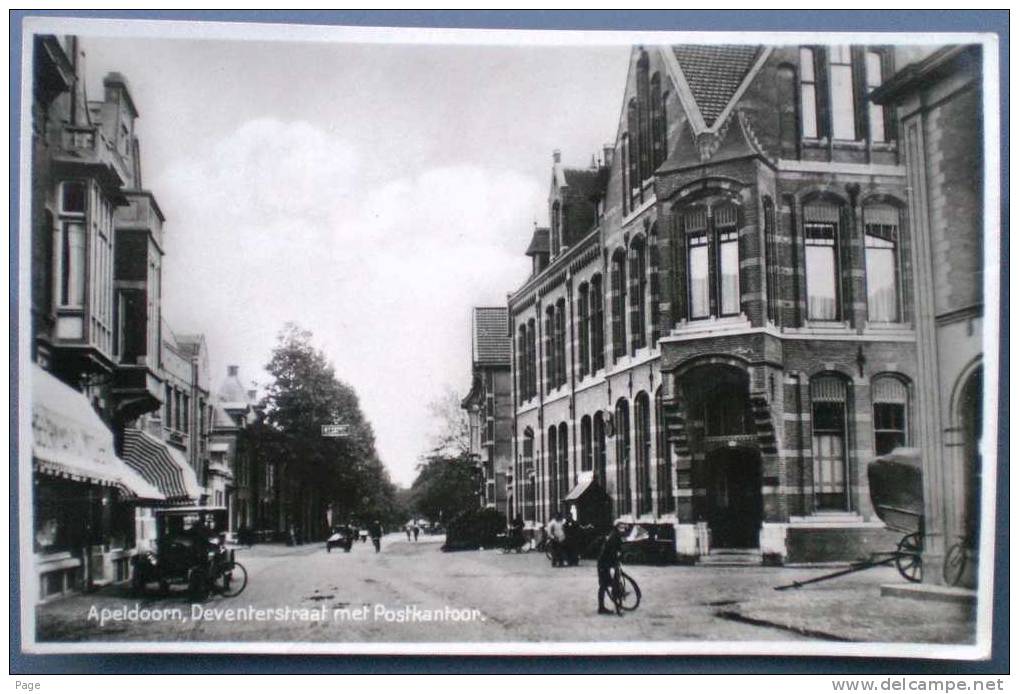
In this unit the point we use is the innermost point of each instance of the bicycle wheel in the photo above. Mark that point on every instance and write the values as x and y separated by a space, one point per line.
233 581
955 564
629 597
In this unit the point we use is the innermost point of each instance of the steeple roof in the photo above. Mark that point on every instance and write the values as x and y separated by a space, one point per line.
714 74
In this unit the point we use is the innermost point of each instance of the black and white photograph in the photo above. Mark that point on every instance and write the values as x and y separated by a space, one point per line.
366 340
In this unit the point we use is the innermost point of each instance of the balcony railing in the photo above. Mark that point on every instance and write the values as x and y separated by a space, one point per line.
87 142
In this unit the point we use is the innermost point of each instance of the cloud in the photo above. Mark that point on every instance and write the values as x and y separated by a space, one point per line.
281 221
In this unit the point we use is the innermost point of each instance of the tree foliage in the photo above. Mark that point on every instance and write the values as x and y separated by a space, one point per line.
304 393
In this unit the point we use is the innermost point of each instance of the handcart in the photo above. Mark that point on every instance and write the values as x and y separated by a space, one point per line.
896 491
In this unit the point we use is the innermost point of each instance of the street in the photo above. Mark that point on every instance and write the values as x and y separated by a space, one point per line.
413 592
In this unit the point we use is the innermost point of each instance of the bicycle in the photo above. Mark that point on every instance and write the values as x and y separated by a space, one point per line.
957 558
623 591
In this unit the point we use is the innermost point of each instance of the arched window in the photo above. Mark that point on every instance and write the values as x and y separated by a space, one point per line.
642 422
808 93
624 501
638 293
891 401
564 463
875 112
618 304
828 409
599 452
560 343
666 502
552 469
643 99
881 242
586 453
821 238
597 303
843 101
583 330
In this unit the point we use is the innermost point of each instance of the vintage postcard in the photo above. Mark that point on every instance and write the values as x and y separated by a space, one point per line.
420 341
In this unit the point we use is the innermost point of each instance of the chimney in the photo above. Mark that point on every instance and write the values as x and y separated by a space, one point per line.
231 370
556 156
607 151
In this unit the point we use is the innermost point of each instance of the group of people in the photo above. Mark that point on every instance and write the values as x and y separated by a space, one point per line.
413 529
564 536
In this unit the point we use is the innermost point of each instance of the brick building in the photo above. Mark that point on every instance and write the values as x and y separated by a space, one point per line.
938 101
489 407
720 325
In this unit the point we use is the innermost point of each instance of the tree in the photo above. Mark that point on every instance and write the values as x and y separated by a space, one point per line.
447 482
315 472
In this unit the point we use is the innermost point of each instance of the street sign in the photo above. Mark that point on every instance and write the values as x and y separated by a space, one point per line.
335 430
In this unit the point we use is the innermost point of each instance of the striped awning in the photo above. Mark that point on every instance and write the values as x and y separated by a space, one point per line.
162 466
70 441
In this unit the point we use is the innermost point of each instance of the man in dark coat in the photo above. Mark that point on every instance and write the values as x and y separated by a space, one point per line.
375 530
608 557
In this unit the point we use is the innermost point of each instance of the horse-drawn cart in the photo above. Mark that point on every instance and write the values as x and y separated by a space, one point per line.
896 491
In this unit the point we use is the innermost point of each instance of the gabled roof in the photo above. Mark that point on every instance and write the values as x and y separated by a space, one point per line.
539 242
490 340
714 73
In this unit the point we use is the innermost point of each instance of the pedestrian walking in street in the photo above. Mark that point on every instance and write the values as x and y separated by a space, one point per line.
375 530
416 528
557 536
407 528
608 559
571 548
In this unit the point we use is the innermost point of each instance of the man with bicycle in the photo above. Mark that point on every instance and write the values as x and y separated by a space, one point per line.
608 559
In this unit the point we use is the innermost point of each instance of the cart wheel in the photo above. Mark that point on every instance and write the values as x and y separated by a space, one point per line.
955 564
908 560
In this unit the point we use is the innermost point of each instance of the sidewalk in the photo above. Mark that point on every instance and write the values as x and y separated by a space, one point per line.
853 609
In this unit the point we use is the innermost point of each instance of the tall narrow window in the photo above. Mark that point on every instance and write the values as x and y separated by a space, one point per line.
657 123
820 235
553 464
808 94
638 293
556 230
695 222
528 474
642 422
599 452
890 400
654 291
881 234
624 171
560 342
550 359
828 400
643 89
876 112
522 363
843 103
586 453
726 228
618 304
623 489
597 325
72 243
564 462
583 329
633 126
532 360
666 502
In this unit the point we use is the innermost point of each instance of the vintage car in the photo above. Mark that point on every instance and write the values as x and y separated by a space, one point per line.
342 536
191 551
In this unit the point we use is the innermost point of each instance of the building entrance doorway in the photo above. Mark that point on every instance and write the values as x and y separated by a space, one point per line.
735 508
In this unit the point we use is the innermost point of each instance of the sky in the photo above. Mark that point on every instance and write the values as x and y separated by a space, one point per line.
370 193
